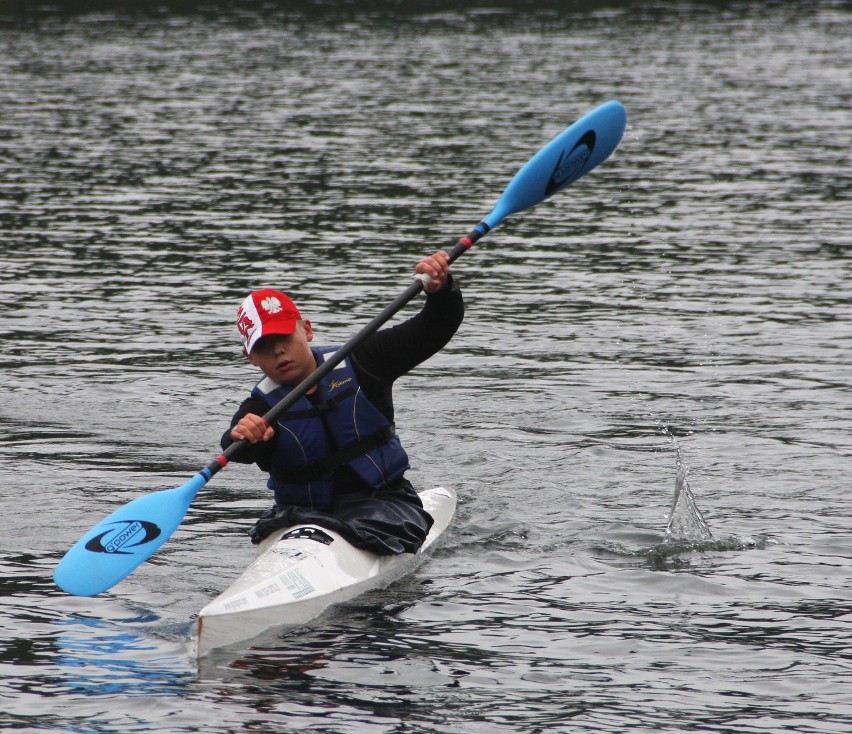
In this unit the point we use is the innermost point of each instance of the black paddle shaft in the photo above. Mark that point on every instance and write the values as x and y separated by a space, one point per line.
335 359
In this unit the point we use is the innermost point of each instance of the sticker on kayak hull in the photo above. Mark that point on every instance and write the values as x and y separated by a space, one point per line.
309 534
296 583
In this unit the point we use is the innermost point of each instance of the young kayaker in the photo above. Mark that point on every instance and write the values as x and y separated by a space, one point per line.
334 458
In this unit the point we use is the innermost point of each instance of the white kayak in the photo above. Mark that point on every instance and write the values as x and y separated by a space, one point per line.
298 572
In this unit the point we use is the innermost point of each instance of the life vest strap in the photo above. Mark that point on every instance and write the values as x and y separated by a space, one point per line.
318 407
328 465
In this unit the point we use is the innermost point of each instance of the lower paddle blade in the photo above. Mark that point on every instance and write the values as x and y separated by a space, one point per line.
129 536
570 155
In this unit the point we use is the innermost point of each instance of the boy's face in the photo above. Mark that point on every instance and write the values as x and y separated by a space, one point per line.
285 358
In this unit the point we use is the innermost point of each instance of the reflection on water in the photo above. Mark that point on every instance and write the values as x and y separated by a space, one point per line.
159 164
100 660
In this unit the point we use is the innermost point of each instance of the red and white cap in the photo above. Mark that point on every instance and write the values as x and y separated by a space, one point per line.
266 312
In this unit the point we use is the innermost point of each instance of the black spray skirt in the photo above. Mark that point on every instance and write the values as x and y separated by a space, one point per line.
386 522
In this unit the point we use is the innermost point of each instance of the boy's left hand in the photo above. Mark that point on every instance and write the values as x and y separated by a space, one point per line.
437 267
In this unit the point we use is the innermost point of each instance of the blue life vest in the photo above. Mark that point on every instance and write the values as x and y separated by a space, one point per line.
336 426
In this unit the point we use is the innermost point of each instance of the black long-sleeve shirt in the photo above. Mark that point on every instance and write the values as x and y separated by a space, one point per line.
378 361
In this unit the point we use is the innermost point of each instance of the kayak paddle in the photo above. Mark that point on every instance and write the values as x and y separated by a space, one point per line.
118 544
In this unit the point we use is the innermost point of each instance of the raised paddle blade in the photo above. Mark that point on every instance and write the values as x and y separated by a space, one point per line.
113 549
571 154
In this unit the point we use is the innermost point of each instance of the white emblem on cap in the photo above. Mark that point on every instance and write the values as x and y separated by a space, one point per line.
271 304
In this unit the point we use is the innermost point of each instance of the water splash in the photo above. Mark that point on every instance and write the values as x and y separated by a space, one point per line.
686 523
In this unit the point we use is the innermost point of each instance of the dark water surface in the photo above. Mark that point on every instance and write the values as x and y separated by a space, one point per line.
691 298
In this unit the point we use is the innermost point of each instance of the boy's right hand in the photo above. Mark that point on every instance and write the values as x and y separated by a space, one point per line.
252 428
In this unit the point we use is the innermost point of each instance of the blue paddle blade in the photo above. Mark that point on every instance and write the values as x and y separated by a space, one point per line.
571 154
129 536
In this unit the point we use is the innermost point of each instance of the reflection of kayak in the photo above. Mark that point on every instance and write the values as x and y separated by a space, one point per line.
298 572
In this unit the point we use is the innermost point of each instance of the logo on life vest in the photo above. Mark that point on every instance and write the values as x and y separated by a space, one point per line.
571 163
124 534
334 384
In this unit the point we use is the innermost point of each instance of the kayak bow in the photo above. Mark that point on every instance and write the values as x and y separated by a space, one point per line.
299 572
